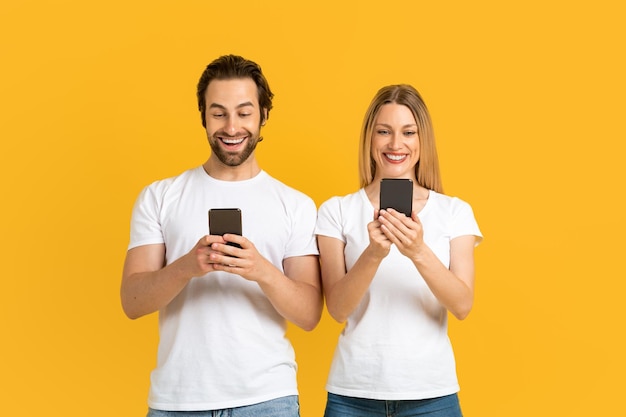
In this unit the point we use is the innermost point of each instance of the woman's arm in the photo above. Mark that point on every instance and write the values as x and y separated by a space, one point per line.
454 286
343 289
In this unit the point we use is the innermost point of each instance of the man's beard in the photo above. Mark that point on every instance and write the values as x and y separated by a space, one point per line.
233 159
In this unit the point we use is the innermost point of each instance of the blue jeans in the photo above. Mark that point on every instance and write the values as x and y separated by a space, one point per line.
340 406
279 407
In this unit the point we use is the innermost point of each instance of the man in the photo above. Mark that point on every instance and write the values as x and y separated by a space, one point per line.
223 309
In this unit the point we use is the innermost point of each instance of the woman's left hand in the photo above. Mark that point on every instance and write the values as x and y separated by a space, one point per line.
454 285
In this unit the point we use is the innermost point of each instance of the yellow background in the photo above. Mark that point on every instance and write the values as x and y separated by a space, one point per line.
98 100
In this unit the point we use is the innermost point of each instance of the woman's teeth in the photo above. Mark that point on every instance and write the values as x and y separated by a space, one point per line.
395 157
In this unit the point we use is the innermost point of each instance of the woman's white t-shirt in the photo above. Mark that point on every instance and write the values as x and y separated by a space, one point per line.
395 344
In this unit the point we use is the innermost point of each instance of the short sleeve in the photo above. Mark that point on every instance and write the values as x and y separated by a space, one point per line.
463 221
329 220
145 225
302 241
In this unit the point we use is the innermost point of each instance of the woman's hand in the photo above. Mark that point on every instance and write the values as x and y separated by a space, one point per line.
404 232
380 244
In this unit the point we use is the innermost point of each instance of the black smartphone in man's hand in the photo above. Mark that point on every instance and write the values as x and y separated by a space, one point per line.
225 220
397 193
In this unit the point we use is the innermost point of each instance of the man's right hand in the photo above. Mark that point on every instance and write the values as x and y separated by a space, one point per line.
149 285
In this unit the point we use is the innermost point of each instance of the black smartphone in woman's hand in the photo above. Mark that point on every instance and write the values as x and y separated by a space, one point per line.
397 193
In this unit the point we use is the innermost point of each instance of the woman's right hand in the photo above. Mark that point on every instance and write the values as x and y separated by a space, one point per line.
379 243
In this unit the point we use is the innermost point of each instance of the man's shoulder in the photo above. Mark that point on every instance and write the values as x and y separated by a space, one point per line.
165 183
286 190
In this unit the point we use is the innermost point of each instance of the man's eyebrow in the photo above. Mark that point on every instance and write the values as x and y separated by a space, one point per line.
219 106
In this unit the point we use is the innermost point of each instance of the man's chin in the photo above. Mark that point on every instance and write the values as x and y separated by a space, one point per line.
233 159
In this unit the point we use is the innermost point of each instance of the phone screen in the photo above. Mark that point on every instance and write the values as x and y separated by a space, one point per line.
225 220
397 193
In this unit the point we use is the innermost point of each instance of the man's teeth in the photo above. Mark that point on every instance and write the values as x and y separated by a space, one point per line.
232 141
395 157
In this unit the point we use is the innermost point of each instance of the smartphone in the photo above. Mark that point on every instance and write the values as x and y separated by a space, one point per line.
225 220
397 193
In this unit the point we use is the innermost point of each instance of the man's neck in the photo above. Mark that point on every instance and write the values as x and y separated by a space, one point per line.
216 169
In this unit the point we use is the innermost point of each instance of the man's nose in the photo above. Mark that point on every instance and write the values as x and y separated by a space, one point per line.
232 125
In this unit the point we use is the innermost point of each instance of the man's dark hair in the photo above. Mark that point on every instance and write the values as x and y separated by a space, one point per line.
228 67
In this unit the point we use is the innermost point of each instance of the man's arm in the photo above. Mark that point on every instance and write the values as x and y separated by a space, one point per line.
296 294
148 285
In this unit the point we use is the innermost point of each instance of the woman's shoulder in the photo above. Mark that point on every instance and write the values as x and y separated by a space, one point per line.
344 200
447 200
454 206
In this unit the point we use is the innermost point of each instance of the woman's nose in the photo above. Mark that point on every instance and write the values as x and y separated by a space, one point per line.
395 142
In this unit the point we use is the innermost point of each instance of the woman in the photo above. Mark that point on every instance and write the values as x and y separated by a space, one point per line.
393 278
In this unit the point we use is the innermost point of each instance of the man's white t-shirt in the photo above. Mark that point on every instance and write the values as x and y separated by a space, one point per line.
222 343
395 344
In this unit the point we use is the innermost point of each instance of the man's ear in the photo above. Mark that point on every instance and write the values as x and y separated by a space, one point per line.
264 116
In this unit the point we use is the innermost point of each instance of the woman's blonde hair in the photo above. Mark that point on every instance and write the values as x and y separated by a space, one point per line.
427 168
